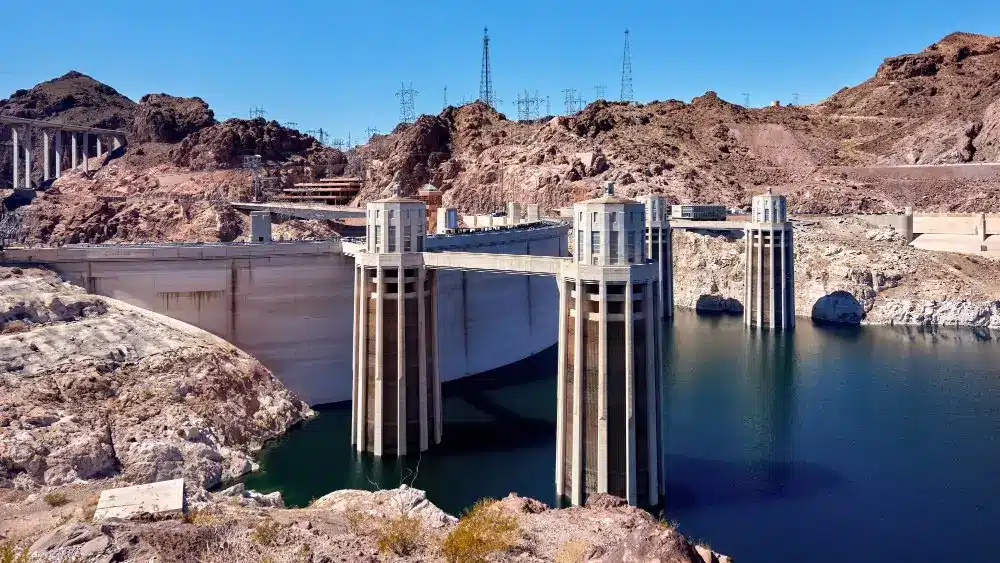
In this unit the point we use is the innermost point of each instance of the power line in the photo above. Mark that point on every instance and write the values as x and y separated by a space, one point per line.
528 106
292 125
486 93
406 95
256 112
337 143
627 95
371 132
599 90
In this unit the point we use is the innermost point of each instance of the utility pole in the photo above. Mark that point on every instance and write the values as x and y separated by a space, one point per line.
486 93
371 132
795 99
406 95
627 95
573 103
349 145
548 105
319 134
746 99
445 96
256 112
292 125
599 90
337 143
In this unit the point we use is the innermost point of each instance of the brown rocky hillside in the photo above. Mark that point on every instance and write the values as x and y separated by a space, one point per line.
940 106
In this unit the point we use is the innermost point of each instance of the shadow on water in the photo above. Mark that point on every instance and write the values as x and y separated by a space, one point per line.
840 307
715 305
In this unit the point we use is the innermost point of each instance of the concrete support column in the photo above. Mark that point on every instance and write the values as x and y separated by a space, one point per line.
401 379
908 224
59 153
561 393
73 151
436 350
356 362
46 157
27 157
116 143
379 350
602 389
631 461
86 148
15 141
577 469
652 397
760 277
99 147
422 355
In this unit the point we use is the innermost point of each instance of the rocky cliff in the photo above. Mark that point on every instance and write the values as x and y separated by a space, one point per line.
389 525
850 272
93 388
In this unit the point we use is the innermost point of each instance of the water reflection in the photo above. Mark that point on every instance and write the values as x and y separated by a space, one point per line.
768 368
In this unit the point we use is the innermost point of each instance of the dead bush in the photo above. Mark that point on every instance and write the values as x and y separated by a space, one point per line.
14 327
401 535
358 523
266 534
482 531
90 507
573 551
56 499
10 554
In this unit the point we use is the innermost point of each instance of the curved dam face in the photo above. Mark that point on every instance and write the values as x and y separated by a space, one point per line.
289 304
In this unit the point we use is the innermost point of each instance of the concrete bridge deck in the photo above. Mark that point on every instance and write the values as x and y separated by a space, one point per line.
317 211
498 263
7 120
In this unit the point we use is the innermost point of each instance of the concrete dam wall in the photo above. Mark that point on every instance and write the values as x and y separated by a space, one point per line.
289 304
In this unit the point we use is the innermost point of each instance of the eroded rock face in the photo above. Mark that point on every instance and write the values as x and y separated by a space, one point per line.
91 387
847 271
162 118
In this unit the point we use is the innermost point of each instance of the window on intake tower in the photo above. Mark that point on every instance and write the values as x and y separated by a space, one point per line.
613 246
392 237
630 245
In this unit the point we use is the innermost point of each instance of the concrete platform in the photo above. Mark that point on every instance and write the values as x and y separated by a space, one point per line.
160 499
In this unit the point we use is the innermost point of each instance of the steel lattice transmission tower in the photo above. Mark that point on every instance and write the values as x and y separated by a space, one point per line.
486 94
406 95
627 95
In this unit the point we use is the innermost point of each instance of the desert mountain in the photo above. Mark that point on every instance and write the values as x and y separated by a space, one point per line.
939 106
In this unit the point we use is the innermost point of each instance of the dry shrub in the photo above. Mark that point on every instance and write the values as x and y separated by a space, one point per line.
358 523
14 327
10 554
56 499
401 535
90 507
266 534
481 532
201 518
573 551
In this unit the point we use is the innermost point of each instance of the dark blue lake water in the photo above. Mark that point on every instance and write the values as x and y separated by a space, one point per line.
826 444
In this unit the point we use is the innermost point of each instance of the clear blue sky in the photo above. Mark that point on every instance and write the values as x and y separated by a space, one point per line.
337 65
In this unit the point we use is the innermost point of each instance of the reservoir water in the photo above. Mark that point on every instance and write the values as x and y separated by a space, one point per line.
825 444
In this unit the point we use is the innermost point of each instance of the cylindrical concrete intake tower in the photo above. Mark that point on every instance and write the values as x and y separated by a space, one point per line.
770 265
397 386
608 413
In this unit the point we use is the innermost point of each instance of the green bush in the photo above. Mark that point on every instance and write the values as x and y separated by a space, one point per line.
56 499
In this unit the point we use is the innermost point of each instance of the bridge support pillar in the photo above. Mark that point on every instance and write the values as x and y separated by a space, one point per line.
59 153
46 157
86 151
770 266
100 146
73 151
397 385
608 399
27 157
15 141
